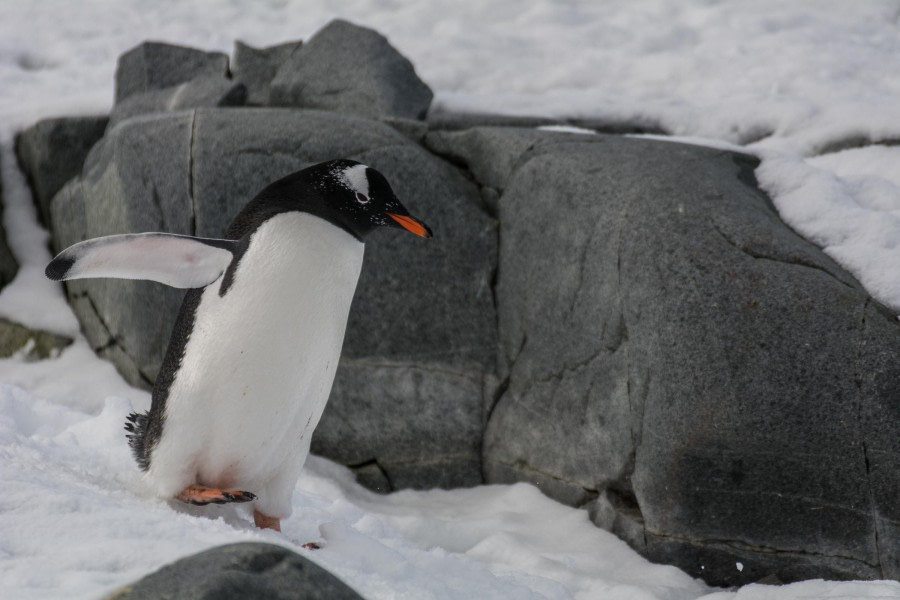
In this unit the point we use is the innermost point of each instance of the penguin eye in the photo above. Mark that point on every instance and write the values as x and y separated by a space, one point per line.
362 198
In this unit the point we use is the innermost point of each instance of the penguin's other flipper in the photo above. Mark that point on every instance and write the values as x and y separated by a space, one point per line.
180 261
201 495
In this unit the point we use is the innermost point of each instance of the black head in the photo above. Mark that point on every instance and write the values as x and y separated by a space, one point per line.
346 193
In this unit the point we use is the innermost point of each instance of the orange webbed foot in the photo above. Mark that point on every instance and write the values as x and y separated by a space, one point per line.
202 495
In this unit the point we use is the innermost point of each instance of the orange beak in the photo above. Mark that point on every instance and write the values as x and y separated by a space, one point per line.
411 224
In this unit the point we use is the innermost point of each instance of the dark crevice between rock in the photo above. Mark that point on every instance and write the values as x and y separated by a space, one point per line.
590 494
860 399
747 165
498 393
462 166
111 341
372 475
193 224
621 493
739 546
798 262
851 143
155 199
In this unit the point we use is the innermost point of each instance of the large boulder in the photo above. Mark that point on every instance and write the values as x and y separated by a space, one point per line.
421 339
156 65
351 69
211 90
715 388
52 151
257 67
240 572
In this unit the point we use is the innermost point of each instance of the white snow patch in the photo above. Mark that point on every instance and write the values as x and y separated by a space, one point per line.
567 129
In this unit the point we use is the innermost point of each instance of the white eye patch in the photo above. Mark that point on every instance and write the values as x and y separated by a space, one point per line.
355 178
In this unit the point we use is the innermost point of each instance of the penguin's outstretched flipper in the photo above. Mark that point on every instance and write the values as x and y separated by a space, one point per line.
201 495
180 261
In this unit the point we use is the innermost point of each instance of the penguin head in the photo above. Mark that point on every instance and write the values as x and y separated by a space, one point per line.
350 195
362 198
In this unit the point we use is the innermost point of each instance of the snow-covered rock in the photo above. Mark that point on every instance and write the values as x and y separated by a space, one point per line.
240 571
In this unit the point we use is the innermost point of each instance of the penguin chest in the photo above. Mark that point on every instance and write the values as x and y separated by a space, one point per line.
259 363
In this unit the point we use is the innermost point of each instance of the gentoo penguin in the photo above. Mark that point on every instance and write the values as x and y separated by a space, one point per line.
253 353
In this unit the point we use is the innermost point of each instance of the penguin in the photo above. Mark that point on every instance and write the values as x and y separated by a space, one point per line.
254 350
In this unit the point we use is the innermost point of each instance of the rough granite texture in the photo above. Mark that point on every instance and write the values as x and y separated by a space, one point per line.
156 65
211 90
673 356
239 572
422 330
136 179
351 69
257 67
52 151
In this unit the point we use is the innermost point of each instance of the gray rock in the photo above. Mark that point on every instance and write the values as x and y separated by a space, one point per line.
710 384
136 179
422 334
155 65
211 90
240 572
32 344
256 67
9 266
52 151
351 69
441 119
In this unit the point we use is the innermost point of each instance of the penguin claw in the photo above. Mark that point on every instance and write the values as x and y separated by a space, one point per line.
199 495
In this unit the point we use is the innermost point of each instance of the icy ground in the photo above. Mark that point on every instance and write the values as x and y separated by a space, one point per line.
794 83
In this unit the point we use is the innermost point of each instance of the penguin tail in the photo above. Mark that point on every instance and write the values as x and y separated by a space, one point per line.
136 426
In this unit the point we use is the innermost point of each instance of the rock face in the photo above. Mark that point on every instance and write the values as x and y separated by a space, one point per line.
352 69
154 66
239 572
52 151
421 336
257 67
681 362
212 90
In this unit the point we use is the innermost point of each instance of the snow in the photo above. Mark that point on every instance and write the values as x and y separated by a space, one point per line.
798 84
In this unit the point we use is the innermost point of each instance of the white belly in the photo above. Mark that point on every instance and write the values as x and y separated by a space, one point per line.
259 364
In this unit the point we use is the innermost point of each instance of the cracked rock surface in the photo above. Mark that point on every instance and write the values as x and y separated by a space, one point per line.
676 358
238 572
